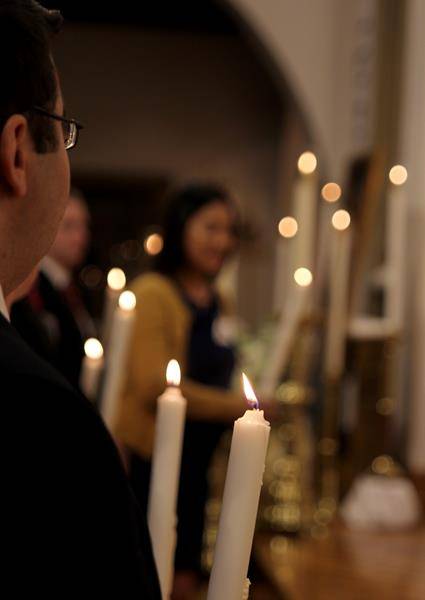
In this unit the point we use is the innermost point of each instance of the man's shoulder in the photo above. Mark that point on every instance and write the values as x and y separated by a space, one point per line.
18 361
31 384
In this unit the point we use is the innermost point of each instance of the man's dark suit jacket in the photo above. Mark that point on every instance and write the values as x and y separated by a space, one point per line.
52 322
72 527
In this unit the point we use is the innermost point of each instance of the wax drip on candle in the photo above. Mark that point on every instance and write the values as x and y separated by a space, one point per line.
173 375
249 392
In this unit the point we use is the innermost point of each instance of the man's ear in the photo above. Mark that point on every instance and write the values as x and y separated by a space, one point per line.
14 148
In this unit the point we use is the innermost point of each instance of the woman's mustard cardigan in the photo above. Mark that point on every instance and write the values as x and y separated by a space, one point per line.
161 332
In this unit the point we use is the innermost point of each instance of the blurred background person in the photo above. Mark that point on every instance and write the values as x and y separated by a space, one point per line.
180 315
53 318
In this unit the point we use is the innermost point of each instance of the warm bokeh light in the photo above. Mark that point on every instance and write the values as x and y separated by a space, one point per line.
116 279
130 250
303 277
249 392
91 276
341 220
127 301
307 163
153 244
331 192
93 348
398 175
288 227
383 464
173 373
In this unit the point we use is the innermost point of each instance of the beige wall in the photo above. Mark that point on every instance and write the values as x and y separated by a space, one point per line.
183 106
314 44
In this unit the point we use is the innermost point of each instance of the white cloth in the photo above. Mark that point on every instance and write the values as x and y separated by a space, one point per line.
3 307
378 502
58 275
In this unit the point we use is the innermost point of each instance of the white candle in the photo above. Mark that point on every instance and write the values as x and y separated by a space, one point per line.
305 212
122 325
91 368
166 458
339 275
395 247
240 504
299 294
116 283
284 262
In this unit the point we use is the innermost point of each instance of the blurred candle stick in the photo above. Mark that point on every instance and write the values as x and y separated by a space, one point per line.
339 274
305 211
163 490
91 368
395 246
240 503
287 228
122 325
299 293
116 281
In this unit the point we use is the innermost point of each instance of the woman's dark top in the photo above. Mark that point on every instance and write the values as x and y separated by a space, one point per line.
209 362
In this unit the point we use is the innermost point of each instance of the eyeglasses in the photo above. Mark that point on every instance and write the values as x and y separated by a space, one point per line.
70 127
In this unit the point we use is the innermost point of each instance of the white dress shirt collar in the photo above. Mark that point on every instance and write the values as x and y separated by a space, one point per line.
58 275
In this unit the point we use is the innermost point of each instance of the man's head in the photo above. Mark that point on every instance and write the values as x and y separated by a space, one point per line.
72 239
34 167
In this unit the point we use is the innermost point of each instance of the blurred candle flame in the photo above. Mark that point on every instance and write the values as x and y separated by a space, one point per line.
173 375
116 279
93 348
249 392
127 301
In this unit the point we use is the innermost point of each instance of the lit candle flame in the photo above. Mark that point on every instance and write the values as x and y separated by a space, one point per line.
153 244
331 192
127 301
341 220
93 348
303 277
116 279
249 392
288 227
398 175
173 373
307 163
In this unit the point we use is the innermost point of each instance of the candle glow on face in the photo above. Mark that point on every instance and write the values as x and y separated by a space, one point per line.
173 375
331 192
303 277
127 301
288 227
249 392
307 163
116 279
93 348
398 175
341 220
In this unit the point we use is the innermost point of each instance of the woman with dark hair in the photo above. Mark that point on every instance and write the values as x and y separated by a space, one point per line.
178 316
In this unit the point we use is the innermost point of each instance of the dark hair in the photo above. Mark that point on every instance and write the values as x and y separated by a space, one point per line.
27 69
183 204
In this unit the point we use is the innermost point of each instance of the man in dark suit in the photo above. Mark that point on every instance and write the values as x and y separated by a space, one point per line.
54 310
71 526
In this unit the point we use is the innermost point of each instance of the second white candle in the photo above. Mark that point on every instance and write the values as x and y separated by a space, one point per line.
163 490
